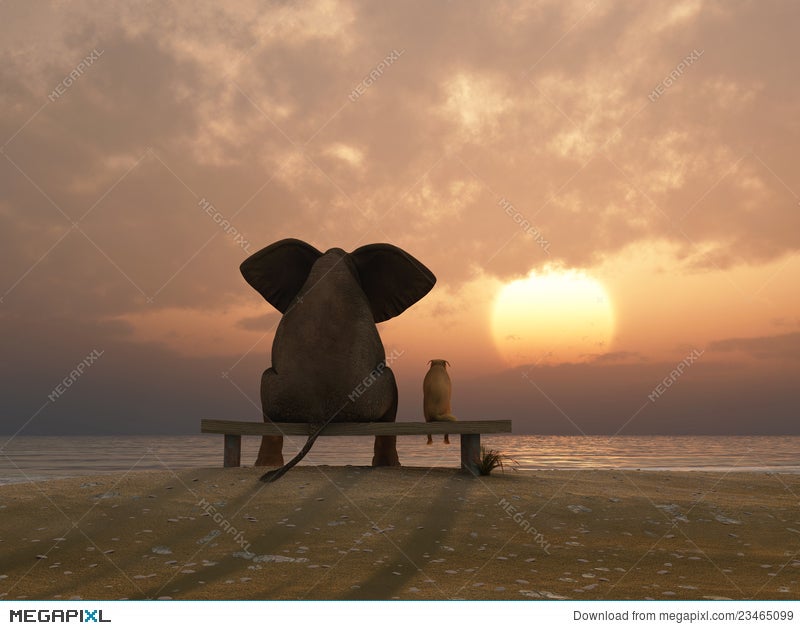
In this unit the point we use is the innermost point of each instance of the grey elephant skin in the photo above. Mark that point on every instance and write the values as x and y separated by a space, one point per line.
326 343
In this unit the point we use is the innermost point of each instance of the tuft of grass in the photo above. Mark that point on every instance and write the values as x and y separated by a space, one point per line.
491 459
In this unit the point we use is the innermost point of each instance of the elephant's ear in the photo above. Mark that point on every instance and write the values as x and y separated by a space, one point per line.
279 271
392 279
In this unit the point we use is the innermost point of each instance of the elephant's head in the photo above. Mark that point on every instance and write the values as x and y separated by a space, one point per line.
327 342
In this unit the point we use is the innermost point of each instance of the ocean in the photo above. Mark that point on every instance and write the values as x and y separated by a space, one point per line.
28 458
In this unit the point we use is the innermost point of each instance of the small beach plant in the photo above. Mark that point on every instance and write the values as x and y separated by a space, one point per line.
491 459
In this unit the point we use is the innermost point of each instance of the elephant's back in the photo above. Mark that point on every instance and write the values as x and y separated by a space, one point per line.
329 326
328 359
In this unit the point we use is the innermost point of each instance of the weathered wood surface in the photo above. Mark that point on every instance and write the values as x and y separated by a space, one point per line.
470 452
473 427
232 455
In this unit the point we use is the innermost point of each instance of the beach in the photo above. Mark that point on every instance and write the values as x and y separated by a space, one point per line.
332 532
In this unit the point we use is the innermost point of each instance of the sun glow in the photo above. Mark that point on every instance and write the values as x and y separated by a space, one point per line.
552 317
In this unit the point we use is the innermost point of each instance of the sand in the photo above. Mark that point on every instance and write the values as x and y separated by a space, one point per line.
409 533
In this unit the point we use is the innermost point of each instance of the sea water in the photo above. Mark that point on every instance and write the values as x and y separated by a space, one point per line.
33 458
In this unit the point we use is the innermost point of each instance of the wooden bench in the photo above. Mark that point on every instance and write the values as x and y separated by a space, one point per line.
470 433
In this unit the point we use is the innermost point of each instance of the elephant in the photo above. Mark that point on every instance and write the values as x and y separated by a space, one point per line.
328 362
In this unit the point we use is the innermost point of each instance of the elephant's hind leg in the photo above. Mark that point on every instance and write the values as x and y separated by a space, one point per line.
385 449
271 451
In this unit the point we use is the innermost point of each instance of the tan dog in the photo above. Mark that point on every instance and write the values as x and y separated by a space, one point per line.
436 389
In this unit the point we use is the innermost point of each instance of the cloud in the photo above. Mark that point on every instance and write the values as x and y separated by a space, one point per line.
708 398
468 113
149 388
262 323
246 108
132 387
782 347
616 357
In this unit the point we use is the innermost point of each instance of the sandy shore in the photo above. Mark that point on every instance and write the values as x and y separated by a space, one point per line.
362 533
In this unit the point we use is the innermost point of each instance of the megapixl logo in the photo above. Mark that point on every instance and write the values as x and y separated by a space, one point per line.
63 616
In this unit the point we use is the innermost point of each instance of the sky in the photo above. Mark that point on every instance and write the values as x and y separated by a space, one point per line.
607 192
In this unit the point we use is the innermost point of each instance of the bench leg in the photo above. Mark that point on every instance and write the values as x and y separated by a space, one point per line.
470 452
232 456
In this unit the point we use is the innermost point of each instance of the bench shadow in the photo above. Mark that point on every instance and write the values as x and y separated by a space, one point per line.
384 583
269 541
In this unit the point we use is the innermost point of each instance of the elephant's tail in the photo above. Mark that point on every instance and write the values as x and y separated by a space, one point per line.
274 475
444 417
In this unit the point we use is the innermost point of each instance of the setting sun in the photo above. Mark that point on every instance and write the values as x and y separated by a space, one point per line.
553 317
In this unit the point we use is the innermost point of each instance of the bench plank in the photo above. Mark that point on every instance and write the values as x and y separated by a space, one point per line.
470 432
474 427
